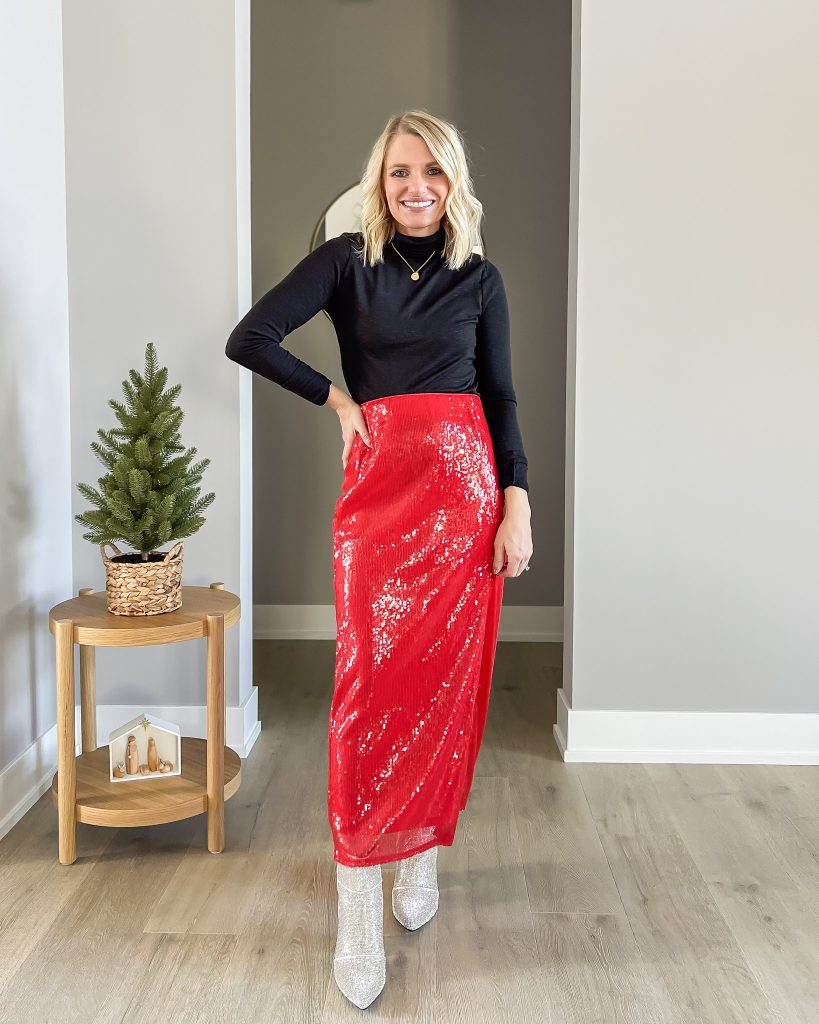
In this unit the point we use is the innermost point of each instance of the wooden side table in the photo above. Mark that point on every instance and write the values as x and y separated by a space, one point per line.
211 772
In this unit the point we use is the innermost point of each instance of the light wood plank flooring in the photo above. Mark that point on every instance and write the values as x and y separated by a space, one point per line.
574 894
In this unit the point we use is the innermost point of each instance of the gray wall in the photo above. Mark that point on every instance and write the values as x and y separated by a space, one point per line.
325 77
512 96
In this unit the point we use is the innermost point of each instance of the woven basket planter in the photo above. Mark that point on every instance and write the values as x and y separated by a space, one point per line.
135 587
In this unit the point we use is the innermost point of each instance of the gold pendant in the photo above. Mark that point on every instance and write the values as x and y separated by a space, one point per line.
415 275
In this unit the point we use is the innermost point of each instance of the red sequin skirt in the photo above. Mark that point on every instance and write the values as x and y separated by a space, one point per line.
417 612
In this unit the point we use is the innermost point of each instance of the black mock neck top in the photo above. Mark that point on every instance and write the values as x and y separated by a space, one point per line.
446 332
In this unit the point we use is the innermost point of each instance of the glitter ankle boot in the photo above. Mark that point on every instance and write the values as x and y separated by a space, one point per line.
415 892
359 965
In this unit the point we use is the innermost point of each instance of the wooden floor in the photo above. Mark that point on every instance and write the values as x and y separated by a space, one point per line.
573 894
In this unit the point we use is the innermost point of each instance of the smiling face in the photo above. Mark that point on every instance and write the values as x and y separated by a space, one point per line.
415 186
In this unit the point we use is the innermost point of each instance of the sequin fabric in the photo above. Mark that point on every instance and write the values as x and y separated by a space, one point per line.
417 611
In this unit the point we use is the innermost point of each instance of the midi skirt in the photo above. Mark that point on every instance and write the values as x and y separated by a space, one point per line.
417 611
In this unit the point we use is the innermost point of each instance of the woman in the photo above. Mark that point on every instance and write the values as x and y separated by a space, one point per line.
433 515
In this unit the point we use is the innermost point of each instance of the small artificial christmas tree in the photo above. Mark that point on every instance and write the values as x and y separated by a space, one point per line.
150 494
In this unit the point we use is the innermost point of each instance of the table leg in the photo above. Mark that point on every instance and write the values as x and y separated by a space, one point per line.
216 733
88 690
88 697
66 763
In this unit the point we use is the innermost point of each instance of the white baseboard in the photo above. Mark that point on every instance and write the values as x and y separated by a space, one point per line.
24 781
685 737
536 623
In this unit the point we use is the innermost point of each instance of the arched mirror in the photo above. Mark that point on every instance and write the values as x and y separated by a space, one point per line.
343 214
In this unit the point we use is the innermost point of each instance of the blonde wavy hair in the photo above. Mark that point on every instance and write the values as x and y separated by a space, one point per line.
463 212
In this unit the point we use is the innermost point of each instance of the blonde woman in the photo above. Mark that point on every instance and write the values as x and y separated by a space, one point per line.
433 515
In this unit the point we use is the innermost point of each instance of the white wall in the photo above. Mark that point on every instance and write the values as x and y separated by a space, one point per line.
696 491
153 194
125 193
35 457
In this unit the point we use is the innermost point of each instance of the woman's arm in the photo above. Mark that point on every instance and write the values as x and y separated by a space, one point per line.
256 341
513 539
494 371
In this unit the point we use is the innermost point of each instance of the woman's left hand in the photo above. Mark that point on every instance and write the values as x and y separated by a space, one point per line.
513 541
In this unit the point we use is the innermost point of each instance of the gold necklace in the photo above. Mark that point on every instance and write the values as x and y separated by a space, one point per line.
415 275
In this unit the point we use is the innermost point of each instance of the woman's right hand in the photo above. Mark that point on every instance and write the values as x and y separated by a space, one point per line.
351 418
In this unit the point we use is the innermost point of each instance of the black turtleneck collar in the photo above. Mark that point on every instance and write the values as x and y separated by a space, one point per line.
416 243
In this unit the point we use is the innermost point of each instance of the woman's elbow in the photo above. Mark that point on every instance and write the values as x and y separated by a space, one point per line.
235 345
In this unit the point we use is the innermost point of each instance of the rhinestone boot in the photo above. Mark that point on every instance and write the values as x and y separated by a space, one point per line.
415 891
359 965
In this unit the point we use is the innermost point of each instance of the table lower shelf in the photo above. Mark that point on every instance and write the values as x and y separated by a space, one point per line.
149 801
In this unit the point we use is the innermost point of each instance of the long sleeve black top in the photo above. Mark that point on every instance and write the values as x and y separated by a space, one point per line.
446 332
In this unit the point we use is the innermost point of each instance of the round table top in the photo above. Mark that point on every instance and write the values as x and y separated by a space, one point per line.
95 626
